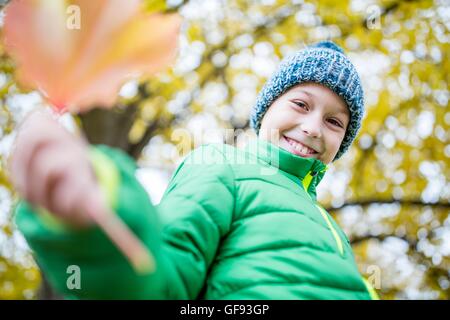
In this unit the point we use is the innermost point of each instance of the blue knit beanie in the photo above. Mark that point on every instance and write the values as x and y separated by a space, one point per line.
323 63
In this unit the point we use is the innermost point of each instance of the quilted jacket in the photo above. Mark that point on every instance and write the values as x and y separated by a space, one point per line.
232 224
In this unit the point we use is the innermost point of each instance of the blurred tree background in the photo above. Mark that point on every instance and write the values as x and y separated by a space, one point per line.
390 192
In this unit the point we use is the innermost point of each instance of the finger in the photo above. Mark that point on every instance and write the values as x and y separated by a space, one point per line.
68 196
48 163
36 129
85 195
26 148
59 198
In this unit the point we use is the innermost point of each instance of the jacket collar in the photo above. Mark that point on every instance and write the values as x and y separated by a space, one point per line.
310 171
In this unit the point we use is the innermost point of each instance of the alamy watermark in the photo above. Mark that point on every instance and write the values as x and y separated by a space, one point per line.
184 140
374 277
373 17
74 279
73 21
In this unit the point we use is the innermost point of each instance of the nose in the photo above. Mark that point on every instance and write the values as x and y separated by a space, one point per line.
311 126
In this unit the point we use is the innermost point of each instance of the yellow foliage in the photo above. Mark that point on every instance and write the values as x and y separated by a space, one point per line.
378 172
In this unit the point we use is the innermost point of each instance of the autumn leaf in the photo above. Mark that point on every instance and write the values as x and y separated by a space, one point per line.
78 53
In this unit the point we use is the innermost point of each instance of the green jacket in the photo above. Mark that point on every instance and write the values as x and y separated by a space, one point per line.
232 224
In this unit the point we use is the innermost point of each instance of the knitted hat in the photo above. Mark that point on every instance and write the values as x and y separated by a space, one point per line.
323 63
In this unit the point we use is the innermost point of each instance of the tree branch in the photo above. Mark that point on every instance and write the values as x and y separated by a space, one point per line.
403 202
357 240
177 7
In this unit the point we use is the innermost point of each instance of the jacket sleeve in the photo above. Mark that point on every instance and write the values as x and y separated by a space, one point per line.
183 232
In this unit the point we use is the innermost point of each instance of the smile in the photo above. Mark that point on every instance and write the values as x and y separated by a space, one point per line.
299 148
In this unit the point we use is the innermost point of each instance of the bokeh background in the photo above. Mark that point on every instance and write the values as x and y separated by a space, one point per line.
390 192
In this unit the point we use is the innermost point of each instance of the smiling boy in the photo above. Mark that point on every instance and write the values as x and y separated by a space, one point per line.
310 119
227 227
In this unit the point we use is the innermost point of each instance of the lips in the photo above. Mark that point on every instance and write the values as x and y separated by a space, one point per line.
300 149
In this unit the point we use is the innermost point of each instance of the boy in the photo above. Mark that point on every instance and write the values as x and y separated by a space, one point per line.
232 224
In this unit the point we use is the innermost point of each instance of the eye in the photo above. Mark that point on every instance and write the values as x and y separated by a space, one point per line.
336 123
301 105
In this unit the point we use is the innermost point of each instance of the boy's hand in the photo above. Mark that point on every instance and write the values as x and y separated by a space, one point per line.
50 168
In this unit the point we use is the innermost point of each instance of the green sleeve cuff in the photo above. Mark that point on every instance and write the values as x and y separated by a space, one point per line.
107 175
108 178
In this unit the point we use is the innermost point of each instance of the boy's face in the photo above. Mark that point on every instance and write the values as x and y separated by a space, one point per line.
310 115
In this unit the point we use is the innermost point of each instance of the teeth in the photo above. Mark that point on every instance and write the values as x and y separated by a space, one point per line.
301 148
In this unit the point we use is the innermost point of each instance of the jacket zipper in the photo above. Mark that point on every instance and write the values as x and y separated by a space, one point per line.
333 231
306 182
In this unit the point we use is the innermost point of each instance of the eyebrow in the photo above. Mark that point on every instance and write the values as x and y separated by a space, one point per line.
312 96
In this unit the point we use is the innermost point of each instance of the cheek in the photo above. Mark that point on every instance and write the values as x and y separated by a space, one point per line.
333 142
272 119
284 118
281 117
